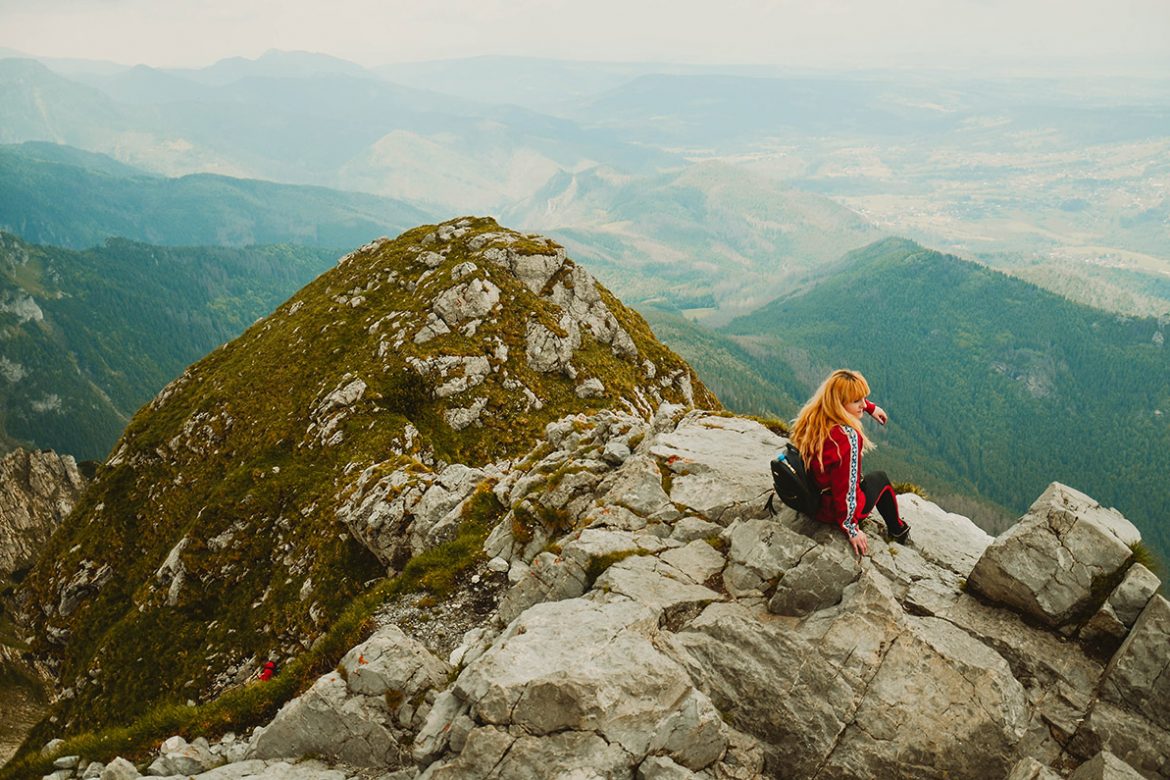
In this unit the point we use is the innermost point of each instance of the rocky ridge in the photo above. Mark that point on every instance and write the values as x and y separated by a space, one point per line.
652 620
275 480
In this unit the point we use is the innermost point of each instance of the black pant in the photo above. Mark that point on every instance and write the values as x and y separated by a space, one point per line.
876 486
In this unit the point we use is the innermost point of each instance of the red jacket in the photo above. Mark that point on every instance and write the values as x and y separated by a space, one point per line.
838 475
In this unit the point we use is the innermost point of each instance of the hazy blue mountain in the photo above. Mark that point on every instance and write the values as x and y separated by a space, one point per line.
541 84
71 156
273 63
90 336
710 235
1009 385
39 105
304 119
63 196
728 111
144 85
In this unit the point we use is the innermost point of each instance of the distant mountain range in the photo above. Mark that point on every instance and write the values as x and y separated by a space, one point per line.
708 236
1056 180
64 196
338 127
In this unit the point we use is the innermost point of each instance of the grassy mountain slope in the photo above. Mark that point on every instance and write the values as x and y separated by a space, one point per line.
90 336
236 472
1007 384
64 196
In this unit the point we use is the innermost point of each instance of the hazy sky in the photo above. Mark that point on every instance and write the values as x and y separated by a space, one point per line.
1098 34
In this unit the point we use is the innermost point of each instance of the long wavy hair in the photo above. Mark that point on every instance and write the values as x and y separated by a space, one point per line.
811 428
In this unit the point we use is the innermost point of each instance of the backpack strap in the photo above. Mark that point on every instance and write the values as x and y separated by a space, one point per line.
768 505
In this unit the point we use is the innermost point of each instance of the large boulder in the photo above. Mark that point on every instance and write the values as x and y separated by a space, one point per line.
1060 561
365 713
586 677
718 465
860 689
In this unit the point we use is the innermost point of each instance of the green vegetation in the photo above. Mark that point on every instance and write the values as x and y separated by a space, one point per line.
743 382
909 487
598 565
995 387
254 703
57 195
90 336
1146 557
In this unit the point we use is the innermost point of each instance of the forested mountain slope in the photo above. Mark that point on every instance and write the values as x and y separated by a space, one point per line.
64 196
1008 385
90 336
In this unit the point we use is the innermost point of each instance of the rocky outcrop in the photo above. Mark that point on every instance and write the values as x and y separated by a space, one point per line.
339 437
365 713
37 491
658 622
1053 564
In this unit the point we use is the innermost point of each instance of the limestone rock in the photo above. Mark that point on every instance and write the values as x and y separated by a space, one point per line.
178 757
1031 769
697 560
656 584
943 538
586 670
1117 615
817 581
662 768
120 769
637 486
1105 766
760 550
1139 674
1050 563
590 388
470 300
1131 736
363 714
693 528
715 462
37 491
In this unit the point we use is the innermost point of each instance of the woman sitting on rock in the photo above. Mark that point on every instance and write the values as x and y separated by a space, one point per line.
828 434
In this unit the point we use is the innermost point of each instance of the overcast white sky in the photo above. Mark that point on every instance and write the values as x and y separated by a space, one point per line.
1094 34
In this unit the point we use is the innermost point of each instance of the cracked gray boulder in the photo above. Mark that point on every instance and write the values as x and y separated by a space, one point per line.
587 676
1052 563
858 690
366 713
719 465
1139 674
1108 628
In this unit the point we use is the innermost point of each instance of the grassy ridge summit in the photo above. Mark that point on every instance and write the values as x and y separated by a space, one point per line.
90 336
233 521
1008 385
60 195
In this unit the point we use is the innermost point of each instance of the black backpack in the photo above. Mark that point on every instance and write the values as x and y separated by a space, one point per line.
792 483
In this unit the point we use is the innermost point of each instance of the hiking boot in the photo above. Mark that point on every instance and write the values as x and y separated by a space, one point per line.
902 535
